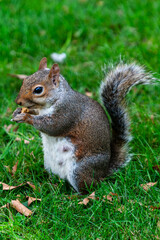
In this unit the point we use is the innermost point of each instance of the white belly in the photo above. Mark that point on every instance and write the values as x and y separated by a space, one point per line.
59 157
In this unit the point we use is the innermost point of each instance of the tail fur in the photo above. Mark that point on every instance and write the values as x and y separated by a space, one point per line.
116 85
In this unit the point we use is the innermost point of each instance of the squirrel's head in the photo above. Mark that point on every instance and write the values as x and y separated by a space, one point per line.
41 89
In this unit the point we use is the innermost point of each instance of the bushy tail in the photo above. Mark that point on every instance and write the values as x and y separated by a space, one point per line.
113 90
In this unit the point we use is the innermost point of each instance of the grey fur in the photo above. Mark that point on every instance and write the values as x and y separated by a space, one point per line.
99 150
113 90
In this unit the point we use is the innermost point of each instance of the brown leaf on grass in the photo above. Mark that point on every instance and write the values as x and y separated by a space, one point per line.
28 141
8 187
19 76
147 186
14 168
85 201
121 209
16 204
156 167
18 139
32 199
109 198
5 206
31 185
113 194
92 196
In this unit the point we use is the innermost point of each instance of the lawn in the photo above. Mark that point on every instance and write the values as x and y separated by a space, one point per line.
93 34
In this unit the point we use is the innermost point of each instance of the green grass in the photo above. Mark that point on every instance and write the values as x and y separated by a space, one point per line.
92 33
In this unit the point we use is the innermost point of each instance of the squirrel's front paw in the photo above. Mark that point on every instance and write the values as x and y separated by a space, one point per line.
23 118
19 118
17 111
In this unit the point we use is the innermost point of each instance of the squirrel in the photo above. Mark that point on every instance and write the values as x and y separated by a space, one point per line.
79 142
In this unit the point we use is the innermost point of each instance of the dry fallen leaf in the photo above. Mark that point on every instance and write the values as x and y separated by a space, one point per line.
113 194
147 186
109 197
16 204
121 209
5 206
32 138
31 185
85 201
8 187
14 168
18 139
19 76
32 199
92 196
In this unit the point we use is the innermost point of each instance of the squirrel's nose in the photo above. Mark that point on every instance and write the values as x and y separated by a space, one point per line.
18 101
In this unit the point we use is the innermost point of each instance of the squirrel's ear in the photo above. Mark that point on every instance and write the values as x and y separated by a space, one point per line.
43 63
54 73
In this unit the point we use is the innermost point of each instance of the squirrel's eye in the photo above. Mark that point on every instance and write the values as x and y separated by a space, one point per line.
38 90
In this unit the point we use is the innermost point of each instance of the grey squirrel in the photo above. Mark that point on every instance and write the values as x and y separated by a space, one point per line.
78 142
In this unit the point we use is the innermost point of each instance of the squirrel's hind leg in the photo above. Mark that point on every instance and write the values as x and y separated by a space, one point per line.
89 171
